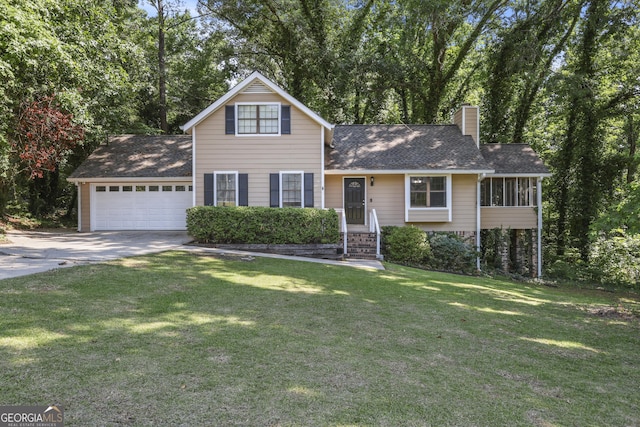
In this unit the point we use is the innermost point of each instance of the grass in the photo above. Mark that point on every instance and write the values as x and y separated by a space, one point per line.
184 339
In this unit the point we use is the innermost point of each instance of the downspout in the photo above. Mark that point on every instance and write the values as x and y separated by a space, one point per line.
478 219
193 166
539 202
321 167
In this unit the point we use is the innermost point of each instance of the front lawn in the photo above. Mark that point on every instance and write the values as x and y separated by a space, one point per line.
185 339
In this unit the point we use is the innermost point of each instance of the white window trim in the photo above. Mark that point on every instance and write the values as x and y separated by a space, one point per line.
280 188
215 185
237 117
407 195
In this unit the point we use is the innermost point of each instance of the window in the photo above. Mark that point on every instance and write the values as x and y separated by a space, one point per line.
291 189
226 186
167 188
428 191
154 188
114 188
127 188
258 119
508 192
191 188
101 188
180 188
141 188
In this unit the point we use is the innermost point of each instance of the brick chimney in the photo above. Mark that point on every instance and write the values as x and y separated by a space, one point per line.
468 120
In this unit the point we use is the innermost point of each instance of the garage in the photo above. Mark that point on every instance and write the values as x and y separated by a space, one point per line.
140 205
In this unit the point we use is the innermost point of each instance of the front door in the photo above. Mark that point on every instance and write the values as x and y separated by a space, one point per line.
354 199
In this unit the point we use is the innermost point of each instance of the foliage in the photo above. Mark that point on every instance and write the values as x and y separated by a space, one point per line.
451 253
263 225
409 245
45 135
615 259
406 245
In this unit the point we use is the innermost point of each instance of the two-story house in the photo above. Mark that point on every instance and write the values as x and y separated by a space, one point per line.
259 146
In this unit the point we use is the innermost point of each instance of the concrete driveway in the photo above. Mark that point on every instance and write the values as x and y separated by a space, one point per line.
31 252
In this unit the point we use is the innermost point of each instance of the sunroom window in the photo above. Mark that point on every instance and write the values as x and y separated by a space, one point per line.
258 119
508 192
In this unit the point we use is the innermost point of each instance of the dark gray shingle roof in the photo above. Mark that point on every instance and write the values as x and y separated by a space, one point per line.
139 156
513 158
403 147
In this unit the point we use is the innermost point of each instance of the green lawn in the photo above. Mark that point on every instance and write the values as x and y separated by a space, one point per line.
185 339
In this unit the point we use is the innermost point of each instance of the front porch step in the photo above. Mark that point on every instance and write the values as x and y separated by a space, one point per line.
361 245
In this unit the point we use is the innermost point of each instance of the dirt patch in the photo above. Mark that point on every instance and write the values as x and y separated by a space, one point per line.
611 312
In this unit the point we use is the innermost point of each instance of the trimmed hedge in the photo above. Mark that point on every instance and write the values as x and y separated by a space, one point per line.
260 225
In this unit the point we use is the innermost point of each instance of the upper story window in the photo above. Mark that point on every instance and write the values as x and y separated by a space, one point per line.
259 119
269 119
510 191
428 191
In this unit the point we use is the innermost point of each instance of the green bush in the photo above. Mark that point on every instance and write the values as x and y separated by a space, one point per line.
451 253
616 259
260 225
406 245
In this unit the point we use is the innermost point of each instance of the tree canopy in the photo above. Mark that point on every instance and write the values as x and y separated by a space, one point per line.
561 75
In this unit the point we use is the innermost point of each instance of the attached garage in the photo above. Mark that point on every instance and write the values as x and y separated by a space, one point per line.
136 182
140 206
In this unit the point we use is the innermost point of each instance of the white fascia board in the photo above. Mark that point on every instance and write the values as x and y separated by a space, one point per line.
518 175
240 87
407 171
132 179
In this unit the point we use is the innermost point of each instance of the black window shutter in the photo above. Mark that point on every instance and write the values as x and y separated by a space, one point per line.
308 190
243 189
230 119
208 189
274 190
285 119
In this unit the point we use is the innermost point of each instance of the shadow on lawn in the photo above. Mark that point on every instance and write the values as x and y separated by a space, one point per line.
271 341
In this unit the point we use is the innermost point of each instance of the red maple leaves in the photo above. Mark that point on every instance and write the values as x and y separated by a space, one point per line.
45 135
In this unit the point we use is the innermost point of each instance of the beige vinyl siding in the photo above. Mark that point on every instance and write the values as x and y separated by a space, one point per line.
85 206
508 217
463 201
428 215
258 156
470 125
387 197
471 122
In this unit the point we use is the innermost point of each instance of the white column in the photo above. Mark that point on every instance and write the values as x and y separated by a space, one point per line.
478 221
539 202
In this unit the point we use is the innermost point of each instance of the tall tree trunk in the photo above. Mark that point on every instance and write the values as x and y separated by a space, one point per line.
632 137
162 84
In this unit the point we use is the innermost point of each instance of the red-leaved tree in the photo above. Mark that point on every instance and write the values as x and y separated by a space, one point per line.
45 135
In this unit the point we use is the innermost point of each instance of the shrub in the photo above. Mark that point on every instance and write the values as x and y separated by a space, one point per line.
406 245
261 225
451 253
616 259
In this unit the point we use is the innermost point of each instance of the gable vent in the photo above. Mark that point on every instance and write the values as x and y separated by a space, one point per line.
257 87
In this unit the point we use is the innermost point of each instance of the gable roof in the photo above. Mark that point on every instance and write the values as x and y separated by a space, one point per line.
138 156
249 84
517 159
404 148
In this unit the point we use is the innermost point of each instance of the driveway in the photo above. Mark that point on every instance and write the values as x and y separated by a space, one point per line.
36 251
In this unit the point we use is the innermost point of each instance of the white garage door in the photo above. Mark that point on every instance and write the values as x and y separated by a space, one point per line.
140 206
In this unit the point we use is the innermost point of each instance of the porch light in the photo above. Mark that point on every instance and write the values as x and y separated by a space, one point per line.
371 180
